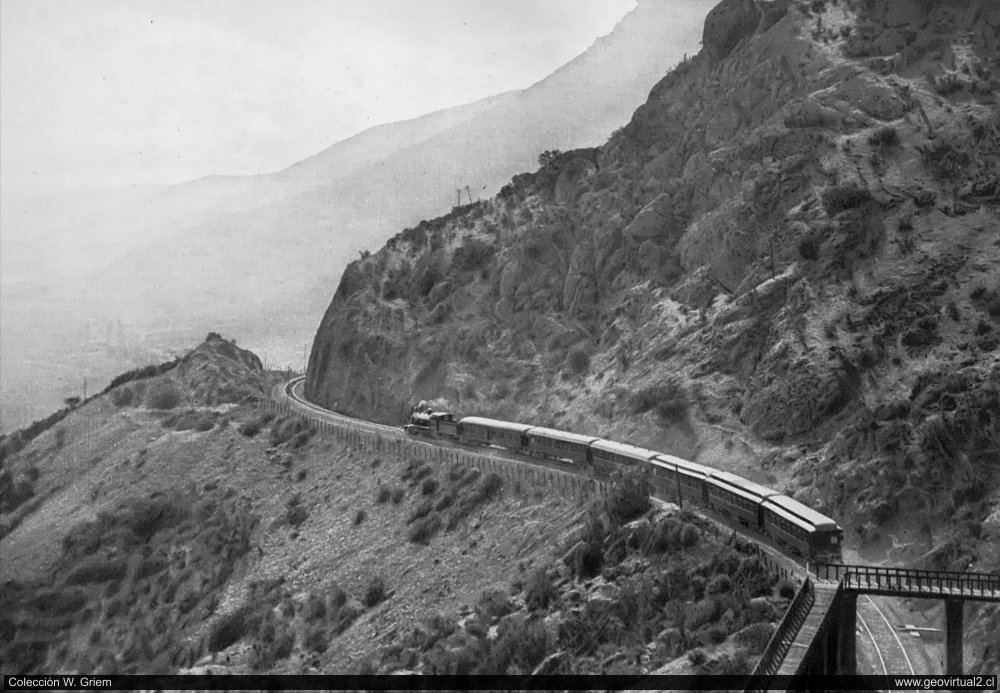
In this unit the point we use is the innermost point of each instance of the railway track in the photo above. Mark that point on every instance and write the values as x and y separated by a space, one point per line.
892 656
872 621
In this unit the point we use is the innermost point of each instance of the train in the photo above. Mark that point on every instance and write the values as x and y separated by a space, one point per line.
786 522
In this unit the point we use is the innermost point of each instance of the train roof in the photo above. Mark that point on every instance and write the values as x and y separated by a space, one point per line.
638 453
495 423
733 481
564 436
799 513
684 466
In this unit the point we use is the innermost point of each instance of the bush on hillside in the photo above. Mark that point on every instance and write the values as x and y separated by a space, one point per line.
471 255
539 591
296 429
424 529
577 362
808 248
375 592
668 399
252 427
628 497
945 159
838 198
163 396
123 396
295 514
884 138
229 629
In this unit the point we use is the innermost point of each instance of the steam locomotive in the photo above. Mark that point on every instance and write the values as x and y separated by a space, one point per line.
786 522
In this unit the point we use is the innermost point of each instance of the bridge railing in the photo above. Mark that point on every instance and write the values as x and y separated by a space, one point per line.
909 580
774 654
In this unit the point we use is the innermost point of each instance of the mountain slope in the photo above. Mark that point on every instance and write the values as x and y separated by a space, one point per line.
785 264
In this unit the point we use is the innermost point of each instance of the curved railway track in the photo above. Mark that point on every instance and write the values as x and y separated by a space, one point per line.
876 626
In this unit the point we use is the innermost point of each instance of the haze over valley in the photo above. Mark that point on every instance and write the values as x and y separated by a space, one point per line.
99 277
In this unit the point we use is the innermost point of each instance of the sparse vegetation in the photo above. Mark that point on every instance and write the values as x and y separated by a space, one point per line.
838 198
577 362
668 399
375 593
628 497
252 427
884 138
163 395
295 513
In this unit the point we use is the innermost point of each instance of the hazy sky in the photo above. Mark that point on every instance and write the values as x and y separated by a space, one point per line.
112 92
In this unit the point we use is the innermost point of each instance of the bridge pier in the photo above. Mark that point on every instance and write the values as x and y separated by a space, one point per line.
953 617
847 646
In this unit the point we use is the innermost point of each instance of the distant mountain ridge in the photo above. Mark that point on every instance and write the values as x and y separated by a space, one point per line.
256 256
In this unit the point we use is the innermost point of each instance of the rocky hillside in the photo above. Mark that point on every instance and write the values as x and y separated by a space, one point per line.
173 525
785 264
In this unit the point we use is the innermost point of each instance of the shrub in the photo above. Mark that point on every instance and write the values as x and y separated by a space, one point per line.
163 396
383 494
696 657
669 399
786 588
336 597
808 248
578 362
689 536
838 198
289 429
375 592
587 562
948 84
945 159
540 590
471 255
702 613
445 501
755 636
359 517
423 530
97 571
489 487
301 439
719 584
519 644
295 514
884 138
494 604
317 640
123 396
229 629
397 495
252 427
429 486
628 497
421 511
